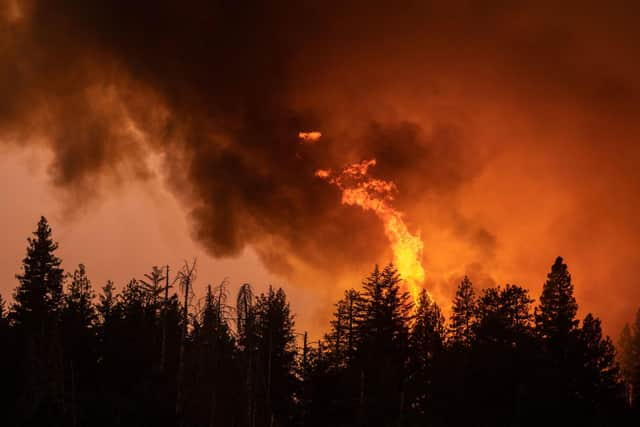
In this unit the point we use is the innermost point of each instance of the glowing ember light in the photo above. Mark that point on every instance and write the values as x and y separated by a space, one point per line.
359 189
309 137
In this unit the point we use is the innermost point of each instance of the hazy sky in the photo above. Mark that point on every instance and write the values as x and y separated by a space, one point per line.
150 136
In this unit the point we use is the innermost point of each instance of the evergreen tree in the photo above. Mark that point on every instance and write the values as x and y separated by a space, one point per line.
107 303
384 342
557 329
426 345
343 337
556 315
276 352
36 314
599 385
212 392
461 325
628 361
153 286
78 301
635 364
78 317
39 295
8 360
504 315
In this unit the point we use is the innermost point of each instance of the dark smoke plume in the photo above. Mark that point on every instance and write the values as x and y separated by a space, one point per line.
221 89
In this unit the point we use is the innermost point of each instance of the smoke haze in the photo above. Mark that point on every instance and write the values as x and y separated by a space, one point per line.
509 130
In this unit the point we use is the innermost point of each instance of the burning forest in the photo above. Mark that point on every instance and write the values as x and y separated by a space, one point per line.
378 189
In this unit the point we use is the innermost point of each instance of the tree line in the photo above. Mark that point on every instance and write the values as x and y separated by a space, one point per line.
153 354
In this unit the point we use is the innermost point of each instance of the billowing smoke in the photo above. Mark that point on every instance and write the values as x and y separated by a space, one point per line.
439 94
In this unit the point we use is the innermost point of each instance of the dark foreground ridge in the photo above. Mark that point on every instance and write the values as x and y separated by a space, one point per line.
155 355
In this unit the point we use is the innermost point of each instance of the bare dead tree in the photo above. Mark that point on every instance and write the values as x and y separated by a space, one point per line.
186 277
246 330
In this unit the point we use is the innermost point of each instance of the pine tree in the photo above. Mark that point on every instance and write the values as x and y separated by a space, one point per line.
504 315
212 363
426 344
36 314
556 315
78 317
78 301
343 336
599 385
276 353
106 303
153 286
8 360
384 342
39 295
463 311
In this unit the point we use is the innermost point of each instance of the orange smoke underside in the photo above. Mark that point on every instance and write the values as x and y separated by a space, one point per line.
372 194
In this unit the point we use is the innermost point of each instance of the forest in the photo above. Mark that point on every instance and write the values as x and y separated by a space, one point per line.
155 354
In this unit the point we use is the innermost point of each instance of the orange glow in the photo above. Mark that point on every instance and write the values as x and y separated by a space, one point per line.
360 189
309 137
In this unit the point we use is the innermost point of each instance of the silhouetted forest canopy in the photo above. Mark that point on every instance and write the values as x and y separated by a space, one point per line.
155 354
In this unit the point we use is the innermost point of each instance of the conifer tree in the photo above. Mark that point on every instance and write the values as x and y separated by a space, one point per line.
635 363
343 336
78 301
600 383
463 311
426 344
211 381
384 343
276 354
36 313
106 303
556 315
38 297
78 317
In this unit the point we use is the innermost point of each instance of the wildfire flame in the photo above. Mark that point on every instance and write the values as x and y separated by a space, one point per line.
372 194
309 137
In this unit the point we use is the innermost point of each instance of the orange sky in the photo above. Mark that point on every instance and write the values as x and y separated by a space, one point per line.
510 132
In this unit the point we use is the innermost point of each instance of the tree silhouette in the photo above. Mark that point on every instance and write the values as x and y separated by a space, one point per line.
556 315
137 357
463 311
78 316
384 342
36 313
600 385
426 345
630 361
276 351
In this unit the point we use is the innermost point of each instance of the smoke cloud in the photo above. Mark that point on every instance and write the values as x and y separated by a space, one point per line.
499 123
